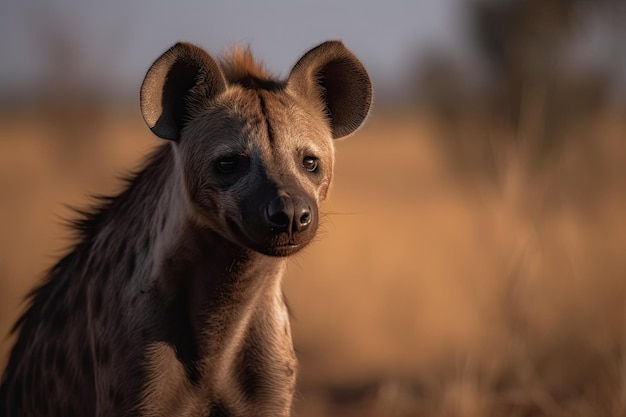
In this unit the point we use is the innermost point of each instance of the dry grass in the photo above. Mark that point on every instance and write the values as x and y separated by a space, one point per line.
436 288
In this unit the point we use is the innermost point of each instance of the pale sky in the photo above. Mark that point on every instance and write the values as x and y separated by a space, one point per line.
116 40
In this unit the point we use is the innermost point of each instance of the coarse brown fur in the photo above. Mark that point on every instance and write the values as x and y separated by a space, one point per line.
239 63
170 304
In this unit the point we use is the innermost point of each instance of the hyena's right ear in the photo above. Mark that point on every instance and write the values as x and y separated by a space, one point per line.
185 74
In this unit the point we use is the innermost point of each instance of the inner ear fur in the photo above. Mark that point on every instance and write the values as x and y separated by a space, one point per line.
330 73
184 74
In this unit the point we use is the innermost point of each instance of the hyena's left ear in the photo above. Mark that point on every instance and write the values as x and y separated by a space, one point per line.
183 76
332 74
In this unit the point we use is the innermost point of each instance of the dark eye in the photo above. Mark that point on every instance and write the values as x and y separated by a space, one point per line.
310 163
228 164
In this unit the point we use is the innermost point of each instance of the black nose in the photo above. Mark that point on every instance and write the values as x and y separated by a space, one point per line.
287 214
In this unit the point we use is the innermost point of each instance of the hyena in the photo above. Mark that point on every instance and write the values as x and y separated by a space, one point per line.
170 304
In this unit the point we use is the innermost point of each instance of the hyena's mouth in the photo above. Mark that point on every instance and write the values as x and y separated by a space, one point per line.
283 250
279 247
271 243
282 244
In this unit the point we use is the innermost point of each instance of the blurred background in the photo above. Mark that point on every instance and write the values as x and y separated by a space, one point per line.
472 258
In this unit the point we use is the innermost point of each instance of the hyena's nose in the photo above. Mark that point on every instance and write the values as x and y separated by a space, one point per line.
287 214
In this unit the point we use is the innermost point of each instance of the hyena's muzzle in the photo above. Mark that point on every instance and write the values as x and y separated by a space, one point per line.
279 220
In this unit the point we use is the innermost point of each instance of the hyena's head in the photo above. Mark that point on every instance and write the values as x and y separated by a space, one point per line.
257 154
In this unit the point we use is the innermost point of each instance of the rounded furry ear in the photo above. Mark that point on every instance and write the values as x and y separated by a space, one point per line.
184 74
330 73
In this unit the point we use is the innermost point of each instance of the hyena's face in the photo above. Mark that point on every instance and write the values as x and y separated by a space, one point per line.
257 163
257 156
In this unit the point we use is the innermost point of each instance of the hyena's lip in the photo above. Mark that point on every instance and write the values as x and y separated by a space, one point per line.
283 250
286 244
279 245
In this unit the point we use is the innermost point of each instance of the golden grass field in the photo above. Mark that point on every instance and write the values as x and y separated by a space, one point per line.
436 288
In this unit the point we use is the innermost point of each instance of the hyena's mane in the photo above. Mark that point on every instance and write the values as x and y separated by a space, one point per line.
85 224
240 67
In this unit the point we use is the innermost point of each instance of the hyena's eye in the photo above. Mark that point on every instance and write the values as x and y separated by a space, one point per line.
310 163
229 164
